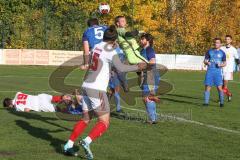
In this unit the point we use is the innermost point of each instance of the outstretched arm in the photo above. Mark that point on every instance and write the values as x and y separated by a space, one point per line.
127 68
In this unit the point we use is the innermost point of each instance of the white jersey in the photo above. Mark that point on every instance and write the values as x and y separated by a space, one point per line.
38 103
231 55
238 50
99 72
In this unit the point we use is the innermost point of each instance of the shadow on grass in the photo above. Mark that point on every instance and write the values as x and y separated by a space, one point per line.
34 116
43 134
184 96
181 101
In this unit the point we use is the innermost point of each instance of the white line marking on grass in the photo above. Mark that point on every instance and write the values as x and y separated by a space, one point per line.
190 121
12 76
29 91
45 77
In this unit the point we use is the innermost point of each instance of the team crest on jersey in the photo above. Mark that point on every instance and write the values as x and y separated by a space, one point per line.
219 55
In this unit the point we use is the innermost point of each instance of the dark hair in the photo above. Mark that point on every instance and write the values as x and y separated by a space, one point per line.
110 34
217 39
92 21
7 102
148 37
117 19
228 36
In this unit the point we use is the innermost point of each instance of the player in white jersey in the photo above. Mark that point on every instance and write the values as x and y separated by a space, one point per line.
238 50
40 103
94 91
231 57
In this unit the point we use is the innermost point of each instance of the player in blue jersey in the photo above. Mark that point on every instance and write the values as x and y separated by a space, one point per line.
92 36
151 78
118 79
215 59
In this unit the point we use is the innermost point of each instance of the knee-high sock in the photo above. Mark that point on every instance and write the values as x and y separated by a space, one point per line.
96 132
117 101
226 91
151 109
78 129
206 97
221 96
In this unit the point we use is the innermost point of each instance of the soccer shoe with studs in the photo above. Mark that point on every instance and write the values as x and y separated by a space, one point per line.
69 151
205 105
87 149
229 98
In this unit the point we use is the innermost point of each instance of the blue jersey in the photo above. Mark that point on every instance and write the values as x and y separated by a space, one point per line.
74 110
152 77
121 54
94 35
148 53
215 57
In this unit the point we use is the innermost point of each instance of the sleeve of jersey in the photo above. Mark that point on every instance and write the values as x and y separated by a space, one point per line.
121 66
207 56
56 99
224 57
151 53
19 108
84 37
236 56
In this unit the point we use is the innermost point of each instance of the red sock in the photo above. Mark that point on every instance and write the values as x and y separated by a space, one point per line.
98 130
227 92
78 129
56 99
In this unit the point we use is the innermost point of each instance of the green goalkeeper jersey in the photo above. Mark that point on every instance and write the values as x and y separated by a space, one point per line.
130 47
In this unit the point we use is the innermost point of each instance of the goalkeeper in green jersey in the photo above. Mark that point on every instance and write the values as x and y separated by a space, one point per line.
127 41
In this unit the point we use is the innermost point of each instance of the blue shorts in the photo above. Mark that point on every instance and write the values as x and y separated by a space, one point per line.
114 81
213 78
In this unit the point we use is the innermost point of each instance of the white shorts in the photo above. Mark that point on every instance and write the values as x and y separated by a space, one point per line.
95 100
228 76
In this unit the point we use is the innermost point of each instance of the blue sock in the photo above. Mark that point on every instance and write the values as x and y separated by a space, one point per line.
221 96
117 100
151 109
206 97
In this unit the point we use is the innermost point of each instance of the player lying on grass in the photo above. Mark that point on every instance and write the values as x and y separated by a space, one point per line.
94 90
42 103
215 59
151 78
231 58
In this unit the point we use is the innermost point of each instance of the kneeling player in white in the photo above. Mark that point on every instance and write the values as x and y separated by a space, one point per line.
40 103
231 56
94 91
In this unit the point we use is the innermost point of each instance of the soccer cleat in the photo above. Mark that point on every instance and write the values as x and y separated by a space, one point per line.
69 151
87 149
205 105
120 111
229 97
221 105
151 122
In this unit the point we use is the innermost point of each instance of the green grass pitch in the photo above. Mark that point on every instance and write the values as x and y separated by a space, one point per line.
207 134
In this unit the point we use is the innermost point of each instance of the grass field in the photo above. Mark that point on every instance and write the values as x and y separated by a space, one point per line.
186 131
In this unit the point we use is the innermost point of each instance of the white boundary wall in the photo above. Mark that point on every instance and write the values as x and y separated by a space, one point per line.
58 57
